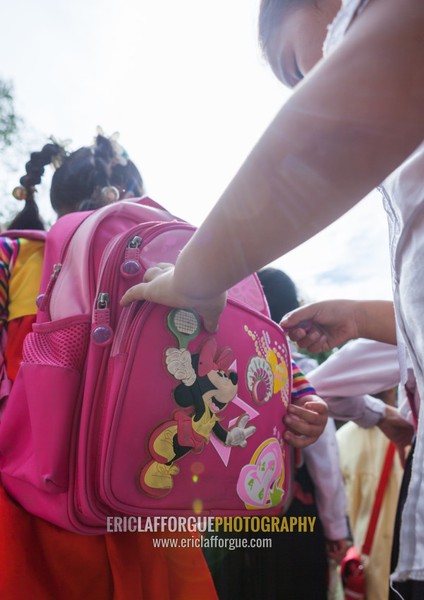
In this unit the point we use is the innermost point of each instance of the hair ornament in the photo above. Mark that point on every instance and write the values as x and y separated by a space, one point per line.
120 155
19 193
110 194
58 159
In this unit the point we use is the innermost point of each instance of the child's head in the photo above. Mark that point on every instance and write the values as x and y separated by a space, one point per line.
83 180
292 33
280 292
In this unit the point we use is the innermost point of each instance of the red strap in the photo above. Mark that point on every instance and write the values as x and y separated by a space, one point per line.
388 461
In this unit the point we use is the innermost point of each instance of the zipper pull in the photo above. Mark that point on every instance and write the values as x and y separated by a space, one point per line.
101 332
131 264
42 300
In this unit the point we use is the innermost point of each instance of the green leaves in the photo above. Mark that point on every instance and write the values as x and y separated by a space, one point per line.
9 121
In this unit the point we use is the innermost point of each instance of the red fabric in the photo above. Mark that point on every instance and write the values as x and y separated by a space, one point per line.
41 561
17 329
379 495
186 434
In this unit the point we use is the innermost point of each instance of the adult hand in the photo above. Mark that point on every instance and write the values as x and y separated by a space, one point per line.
336 549
160 285
305 421
397 429
322 326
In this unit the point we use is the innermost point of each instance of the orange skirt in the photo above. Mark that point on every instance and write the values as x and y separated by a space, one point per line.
43 562
17 329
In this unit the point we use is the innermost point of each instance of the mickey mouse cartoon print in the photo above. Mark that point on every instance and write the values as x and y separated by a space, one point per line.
207 386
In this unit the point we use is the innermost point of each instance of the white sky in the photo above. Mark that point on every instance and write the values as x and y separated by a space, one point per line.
185 85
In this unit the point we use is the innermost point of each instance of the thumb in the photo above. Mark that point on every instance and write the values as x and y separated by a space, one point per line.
210 317
211 310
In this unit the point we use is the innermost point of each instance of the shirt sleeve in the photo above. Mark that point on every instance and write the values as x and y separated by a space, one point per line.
366 411
323 464
360 367
349 377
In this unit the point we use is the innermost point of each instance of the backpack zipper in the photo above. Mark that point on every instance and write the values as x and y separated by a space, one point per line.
116 252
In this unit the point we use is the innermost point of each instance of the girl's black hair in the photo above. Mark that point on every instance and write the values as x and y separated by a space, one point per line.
29 217
280 292
270 15
78 182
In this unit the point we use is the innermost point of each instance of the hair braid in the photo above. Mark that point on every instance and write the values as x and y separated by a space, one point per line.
29 217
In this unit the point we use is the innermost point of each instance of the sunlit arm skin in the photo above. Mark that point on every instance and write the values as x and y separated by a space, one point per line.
355 118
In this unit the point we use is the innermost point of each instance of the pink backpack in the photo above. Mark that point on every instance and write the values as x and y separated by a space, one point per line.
139 411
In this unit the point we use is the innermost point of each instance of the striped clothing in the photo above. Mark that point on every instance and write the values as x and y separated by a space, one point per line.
20 273
8 252
301 386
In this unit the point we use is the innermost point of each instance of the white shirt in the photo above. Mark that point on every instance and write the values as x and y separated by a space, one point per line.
403 194
349 377
322 461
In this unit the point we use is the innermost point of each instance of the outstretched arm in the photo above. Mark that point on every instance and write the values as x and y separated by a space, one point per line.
352 121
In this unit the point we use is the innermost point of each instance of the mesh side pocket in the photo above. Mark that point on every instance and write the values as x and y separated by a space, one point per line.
62 344
37 425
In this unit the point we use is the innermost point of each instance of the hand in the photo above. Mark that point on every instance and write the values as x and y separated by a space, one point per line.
397 429
238 435
321 326
305 421
160 286
324 325
336 549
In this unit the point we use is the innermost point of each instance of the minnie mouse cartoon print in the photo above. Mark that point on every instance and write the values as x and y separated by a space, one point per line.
207 387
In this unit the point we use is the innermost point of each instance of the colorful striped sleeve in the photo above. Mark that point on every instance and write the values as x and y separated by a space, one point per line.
301 386
8 252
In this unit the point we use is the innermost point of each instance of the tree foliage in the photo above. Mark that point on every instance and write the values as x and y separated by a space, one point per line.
9 121
10 151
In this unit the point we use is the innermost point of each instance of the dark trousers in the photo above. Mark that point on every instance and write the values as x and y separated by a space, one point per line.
409 590
295 568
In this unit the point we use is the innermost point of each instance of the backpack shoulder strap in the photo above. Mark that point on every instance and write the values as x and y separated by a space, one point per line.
27 234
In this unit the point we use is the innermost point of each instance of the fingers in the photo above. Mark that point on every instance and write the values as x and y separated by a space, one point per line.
305 424
307 335
159 286
150 289
210 311
302 317
157 270
336 549
137 292
210 322
395 427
